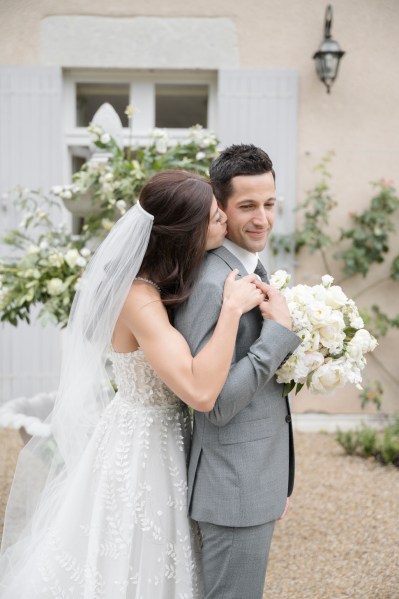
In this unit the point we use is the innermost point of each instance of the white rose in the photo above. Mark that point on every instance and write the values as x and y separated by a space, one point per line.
105 138
328 377
55 287
71 257
280 279
108 177
357 322
327 280
354 352
332 332
43 245
319 314
364 341
33 249
200 155
85 252
335 297
313 360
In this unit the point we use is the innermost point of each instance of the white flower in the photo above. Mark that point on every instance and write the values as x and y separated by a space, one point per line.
71 257
85 252
332 333
328 377
121 205
107 224
55 287
318 314
43 245
56 259
335 297
130 110
357 322
327 280
105 138
280 279
161 145
108 177
81 262
157 133
200 155
313 360
33 249
364 341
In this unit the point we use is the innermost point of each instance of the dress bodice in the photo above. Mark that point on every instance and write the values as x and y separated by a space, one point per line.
138 382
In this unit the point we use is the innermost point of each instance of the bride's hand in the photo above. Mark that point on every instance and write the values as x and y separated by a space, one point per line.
242 294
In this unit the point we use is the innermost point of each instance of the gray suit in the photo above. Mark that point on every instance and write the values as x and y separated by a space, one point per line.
239 469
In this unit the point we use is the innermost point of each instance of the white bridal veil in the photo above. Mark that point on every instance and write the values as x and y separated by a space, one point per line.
85 390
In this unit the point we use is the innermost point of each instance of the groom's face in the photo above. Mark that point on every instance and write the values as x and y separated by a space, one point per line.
250 210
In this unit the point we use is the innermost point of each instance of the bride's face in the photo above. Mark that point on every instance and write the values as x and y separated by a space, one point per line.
217 227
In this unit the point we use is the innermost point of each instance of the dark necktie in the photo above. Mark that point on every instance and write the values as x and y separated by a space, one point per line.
261 272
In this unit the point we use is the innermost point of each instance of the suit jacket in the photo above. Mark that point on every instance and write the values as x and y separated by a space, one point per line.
239 467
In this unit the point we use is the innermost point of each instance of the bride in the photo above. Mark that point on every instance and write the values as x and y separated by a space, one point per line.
100 510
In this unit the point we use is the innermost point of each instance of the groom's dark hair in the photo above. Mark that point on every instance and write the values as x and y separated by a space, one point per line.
238 159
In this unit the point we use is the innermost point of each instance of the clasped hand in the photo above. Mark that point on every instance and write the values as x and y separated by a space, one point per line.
275 306
245 293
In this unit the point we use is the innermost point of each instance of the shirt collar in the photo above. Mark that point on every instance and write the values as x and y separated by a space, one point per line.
248 259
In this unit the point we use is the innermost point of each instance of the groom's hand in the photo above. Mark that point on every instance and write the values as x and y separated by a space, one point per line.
275 306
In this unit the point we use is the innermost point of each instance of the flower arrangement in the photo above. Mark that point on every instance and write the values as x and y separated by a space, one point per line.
334 340
46 261
49 265
114 183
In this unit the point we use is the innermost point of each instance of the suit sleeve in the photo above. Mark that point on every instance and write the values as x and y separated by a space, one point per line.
250 373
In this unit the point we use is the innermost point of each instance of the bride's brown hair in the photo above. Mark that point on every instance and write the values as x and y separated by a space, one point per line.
180 203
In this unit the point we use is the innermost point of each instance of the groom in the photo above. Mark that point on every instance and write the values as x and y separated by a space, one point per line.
241 465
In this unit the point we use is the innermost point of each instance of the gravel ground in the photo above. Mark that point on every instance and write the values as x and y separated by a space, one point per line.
340 537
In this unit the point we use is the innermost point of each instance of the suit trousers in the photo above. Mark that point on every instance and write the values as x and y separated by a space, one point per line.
234 560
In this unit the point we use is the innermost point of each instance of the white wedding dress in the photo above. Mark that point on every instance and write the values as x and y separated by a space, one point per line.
122 529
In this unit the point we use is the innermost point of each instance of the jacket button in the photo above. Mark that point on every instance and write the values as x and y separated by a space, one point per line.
288 418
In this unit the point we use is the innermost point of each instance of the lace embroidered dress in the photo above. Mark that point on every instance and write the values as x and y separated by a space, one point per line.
122 530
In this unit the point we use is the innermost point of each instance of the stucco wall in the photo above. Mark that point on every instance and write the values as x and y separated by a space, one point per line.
359 120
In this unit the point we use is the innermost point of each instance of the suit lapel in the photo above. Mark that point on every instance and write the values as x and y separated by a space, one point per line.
229 258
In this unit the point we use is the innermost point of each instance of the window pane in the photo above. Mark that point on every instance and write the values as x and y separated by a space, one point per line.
180 106
90 96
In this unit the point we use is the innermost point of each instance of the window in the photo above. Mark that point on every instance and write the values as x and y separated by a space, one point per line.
179 106
172 100
90 96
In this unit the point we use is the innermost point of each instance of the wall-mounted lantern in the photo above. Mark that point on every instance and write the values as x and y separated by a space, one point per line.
329 54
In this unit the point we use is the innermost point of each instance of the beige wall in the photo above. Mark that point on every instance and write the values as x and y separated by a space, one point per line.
359 120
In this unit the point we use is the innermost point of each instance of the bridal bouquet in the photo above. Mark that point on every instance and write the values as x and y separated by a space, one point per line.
334 339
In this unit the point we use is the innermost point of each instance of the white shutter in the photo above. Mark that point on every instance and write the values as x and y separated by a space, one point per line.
30 155
259 106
